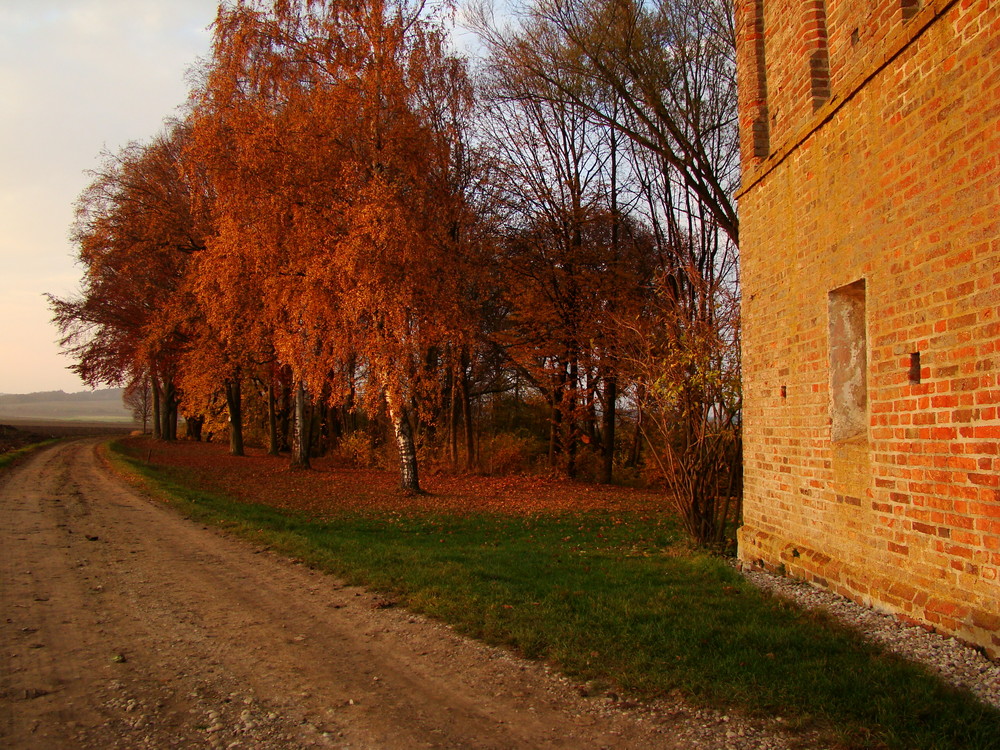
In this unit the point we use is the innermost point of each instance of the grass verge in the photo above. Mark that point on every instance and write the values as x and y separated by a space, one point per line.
10 458
611 601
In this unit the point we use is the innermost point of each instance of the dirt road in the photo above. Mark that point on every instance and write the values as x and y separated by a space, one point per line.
126 626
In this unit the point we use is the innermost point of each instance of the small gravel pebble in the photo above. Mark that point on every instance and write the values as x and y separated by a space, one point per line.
956 662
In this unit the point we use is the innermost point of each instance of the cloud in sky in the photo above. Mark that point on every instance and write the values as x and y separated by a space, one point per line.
76 76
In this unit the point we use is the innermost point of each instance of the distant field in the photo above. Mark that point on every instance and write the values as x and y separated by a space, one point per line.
18 434
12 418
52 428
64 412
89 407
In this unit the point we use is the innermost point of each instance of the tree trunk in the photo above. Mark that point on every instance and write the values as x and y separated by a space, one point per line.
427 426
172 426
594 435
272 421
335 425
636 453
234 400
157 405
145 405
470 444
168 411
285 416
408 478
447 407
555 433
300 446
350 412
571 433
453 421
555 426
194 425
516 421
314 445
608 428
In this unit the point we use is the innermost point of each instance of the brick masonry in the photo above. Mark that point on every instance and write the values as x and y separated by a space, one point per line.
886 185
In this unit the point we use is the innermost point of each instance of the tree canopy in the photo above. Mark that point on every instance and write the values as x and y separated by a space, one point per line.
357 235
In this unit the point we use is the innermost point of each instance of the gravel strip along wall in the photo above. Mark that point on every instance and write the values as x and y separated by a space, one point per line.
956 662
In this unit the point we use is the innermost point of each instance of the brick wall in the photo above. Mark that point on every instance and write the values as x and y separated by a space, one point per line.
893 180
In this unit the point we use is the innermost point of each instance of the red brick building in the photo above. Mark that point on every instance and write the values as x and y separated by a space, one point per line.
870 243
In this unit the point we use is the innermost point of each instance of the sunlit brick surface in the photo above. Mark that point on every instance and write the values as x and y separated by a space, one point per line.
894 180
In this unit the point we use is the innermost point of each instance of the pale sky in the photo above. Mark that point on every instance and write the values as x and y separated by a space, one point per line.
76 76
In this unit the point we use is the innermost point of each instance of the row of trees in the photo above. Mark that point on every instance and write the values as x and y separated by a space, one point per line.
348 229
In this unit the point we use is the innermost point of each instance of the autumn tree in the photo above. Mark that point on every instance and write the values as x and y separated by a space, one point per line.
338 228
690 397
571 254
135 232
661 77
682 354
256 255
670 65
335 212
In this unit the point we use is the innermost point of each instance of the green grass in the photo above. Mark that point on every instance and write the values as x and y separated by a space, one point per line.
609 599
11 457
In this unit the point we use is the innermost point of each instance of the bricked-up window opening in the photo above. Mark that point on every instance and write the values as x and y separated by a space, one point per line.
910 8
761 130
848 362
815 42
915 368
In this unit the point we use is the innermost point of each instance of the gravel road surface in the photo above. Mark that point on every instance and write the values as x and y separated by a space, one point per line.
123 625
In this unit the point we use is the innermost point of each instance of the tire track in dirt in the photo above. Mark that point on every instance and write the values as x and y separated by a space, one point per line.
127 626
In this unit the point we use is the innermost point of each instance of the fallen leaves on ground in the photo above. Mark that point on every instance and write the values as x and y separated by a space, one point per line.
329 488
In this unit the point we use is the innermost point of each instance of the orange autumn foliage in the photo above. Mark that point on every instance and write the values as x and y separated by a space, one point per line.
342 245
334 215
136 229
